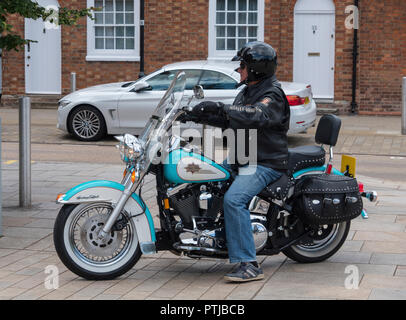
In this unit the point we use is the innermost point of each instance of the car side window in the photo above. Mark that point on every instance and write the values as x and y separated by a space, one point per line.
217 80
192 78
162 81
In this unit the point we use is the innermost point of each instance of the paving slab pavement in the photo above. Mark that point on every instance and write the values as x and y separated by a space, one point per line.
375 247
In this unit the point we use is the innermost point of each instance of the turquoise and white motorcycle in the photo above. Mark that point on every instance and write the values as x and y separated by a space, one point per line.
104 227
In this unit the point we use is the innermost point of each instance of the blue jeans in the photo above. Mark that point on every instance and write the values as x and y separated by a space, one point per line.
248 183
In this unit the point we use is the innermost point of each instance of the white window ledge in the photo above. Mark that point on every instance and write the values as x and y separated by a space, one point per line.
112 58
221 58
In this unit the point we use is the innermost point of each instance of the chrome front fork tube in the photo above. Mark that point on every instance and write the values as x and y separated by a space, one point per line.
116 212
130 188
119 206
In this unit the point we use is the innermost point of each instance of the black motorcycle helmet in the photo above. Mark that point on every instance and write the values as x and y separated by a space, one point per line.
260 59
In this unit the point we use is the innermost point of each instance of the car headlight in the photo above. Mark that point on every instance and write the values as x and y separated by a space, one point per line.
64 103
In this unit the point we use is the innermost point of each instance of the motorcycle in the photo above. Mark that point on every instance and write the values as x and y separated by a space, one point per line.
104 227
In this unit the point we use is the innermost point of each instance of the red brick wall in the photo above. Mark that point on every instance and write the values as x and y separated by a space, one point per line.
177 30
343 58
382 56
13 63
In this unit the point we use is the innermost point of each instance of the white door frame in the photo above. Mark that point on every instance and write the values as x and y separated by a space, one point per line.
55 51
309 7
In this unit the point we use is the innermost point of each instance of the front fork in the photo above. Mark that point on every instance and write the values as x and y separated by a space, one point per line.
131 180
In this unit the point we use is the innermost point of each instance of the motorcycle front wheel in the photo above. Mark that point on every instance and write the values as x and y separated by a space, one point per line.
82 252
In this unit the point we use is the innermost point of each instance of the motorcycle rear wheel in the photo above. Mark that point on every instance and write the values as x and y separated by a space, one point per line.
323 246
76 243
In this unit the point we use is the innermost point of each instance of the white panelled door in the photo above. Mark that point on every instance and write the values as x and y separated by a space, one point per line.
314 47
43 58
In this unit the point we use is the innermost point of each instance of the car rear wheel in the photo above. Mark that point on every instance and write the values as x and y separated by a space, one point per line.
86 123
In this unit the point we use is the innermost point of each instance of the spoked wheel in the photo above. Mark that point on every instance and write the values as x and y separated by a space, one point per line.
87 124
78 246
324 242
321 245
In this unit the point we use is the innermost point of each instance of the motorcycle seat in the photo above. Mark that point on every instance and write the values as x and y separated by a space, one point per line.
299 158
305 157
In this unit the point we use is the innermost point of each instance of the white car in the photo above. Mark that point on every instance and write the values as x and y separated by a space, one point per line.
124 107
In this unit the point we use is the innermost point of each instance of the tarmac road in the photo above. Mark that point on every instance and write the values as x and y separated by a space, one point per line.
375 142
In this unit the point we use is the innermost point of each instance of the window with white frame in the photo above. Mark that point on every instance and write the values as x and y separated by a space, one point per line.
113 34
232 23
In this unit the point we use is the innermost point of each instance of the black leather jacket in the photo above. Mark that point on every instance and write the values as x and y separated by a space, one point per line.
262 106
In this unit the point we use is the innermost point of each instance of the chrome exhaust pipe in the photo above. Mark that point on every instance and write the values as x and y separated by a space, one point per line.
189 248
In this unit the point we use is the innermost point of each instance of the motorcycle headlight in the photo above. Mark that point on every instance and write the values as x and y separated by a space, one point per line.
130 148
122 148
134 152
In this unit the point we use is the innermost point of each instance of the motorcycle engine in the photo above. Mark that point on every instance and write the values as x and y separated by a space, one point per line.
201 206
200 201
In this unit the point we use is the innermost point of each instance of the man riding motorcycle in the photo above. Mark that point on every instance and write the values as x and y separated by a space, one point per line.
261 105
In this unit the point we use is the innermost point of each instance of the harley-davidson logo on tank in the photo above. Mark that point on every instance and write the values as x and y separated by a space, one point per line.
192 169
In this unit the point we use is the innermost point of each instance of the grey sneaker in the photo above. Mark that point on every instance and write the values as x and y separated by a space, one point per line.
245 272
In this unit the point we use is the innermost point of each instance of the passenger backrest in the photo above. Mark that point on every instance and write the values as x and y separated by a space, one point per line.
328 130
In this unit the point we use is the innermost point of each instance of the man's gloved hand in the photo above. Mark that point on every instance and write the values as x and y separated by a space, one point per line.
206 108
185 117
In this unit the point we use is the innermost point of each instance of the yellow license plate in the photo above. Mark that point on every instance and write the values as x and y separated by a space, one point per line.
348 164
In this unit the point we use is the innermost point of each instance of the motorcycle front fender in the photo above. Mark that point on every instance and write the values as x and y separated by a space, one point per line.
109 191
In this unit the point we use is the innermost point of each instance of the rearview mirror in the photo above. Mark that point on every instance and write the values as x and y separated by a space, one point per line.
140 86
198 92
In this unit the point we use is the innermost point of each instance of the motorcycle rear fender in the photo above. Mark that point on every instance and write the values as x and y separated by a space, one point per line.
109 191
315 169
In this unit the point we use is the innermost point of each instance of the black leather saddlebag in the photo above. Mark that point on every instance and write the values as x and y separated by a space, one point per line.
327 199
